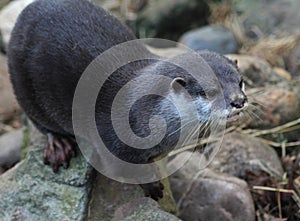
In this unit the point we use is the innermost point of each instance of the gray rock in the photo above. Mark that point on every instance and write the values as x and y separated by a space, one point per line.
168 18
107 195
267 17
3 3
167 52
207 195
10 148
8 103
214 38
293 61
144 209
256 71
31 191
8 17
240 154
276 105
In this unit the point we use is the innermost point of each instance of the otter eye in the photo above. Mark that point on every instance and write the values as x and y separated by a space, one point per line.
211 94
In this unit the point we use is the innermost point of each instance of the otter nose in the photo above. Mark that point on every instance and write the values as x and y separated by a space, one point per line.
239 102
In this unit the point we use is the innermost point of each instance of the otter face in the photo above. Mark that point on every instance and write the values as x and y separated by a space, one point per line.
221 98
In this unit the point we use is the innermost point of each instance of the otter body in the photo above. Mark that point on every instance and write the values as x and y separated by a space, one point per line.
52 44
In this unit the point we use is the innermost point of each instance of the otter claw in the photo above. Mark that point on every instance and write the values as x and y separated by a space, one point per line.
58 152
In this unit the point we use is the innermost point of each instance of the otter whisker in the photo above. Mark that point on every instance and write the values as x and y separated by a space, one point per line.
258 103
254 92
254 110
253 115
255 106
192 134
186 124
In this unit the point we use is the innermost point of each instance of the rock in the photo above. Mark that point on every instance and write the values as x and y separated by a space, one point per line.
10 148
8 17
168 18
3 3
31 191
144 209
274 50
166 52
293 61
8 103
68 195
214 38
207 195
256 72
241 154
107 195
282 73
274 105
268 17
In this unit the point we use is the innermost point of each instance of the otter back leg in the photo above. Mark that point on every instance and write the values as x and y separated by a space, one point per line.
153 190
59 151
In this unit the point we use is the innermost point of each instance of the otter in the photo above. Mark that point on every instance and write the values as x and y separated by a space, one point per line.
52 44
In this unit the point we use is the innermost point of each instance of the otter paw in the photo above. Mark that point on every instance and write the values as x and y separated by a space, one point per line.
153 190
59 151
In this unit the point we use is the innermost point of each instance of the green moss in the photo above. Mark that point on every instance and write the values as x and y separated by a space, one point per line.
167 203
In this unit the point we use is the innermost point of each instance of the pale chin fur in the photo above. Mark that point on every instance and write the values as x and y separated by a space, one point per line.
186 106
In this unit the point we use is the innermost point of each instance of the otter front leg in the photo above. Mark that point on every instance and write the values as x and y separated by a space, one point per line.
59 151
153 190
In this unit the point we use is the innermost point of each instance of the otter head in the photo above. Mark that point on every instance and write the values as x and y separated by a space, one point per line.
219 97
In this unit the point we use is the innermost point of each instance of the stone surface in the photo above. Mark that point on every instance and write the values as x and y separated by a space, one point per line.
168 18
274 105
107 195
166 52
31 191
3 3
207 195
240 154
10 148
144 209
293 61
265 16
8 103
283 73
256 72
8 17
214 38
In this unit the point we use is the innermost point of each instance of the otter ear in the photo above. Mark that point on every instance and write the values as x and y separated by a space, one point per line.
178 83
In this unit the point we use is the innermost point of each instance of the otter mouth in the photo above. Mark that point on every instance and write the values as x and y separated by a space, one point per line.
233 117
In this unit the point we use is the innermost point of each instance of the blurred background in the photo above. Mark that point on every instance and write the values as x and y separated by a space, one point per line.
263 35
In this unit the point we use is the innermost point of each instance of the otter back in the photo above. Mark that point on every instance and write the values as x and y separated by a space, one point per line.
51 45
